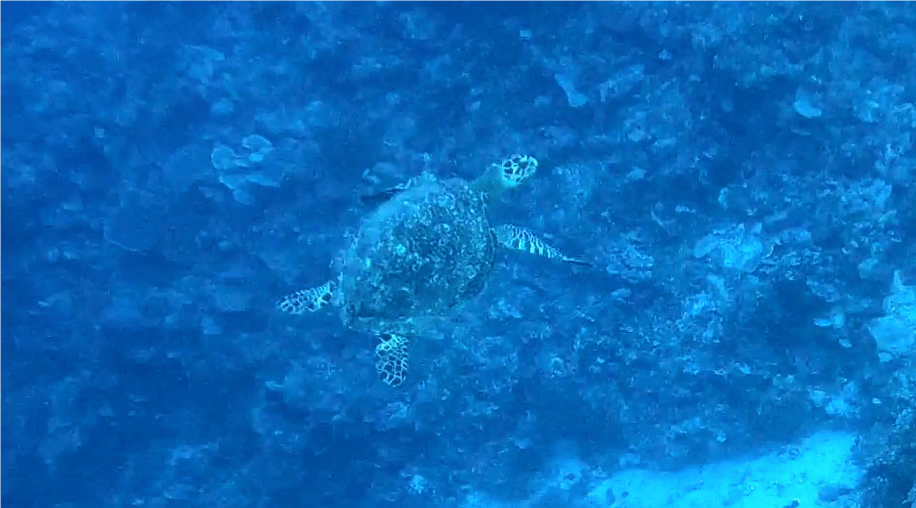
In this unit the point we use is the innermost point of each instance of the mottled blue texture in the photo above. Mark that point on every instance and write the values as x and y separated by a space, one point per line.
740 173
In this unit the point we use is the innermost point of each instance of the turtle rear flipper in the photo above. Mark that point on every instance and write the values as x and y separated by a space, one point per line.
520 239
391 359
307 300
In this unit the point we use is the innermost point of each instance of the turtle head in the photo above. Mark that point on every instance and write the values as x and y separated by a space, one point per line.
506 174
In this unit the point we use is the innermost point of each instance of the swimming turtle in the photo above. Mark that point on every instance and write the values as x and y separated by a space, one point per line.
428 248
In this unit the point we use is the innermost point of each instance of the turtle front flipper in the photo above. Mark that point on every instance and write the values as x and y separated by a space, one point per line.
520 239
391 359
378 197
307 300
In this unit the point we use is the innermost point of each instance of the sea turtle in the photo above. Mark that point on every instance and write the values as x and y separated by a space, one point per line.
428 248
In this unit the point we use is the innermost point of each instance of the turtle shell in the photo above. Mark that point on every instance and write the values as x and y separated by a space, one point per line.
418 256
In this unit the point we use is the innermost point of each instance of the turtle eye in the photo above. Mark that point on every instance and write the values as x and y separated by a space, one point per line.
508 169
